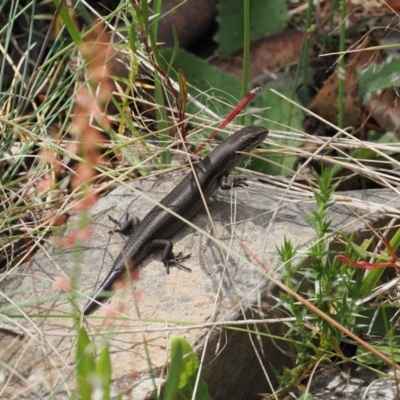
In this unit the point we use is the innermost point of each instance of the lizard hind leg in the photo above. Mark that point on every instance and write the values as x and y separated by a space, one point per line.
168 256
127 228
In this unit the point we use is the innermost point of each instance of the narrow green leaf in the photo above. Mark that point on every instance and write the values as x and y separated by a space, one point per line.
171 387
132 37
157 13
162 123
183 92
246 50
127 153
372 277
370 359
174 50
341 67
69 24
360 250
103 371
145 16
86 364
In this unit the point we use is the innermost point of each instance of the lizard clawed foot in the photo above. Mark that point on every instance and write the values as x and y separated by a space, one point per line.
239 181
177 261
128 227
117 223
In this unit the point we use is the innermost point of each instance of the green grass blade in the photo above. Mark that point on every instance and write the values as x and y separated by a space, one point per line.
86 364
372 277
69 24
171 387
246 50
103 371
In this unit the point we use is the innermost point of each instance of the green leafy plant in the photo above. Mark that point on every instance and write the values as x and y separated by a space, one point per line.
378 77
183 378
93 377
209 85
267 17
330 285
28 126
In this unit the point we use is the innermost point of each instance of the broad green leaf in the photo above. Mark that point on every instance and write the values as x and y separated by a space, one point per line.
369 154
378 77
186 370
266 18
190 363
208 84
307 396
279 115
201 391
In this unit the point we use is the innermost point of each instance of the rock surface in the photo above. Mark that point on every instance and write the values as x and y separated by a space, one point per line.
220 288
354 384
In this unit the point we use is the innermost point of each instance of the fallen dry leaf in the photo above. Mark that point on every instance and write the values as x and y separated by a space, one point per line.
385 109
325 103
268 53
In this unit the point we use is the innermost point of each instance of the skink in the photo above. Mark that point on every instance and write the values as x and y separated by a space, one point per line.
158 225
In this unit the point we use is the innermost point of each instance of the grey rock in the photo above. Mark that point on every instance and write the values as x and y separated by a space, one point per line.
221 287
354 384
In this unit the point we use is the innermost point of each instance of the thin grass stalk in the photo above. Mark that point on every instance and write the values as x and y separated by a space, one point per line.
38 62
162 121
25 72
341 70
6 44
303 61
306 51
246 51
157 11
